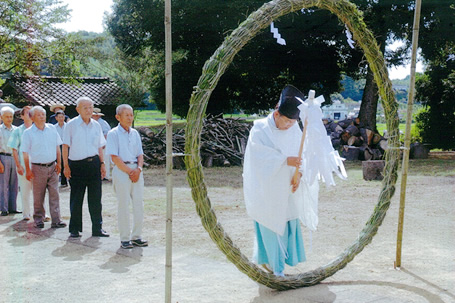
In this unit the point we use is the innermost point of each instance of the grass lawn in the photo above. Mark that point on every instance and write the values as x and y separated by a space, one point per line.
382 126
154 118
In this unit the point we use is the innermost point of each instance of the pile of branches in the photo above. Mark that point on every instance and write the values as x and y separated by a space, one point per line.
223 142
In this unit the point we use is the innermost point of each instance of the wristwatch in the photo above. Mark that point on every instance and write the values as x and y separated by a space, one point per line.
140 168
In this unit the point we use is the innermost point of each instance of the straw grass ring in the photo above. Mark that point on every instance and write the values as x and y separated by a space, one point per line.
211 73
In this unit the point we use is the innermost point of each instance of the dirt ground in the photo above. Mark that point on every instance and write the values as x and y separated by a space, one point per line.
47 266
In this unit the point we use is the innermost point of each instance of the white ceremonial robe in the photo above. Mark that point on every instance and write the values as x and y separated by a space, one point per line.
267 178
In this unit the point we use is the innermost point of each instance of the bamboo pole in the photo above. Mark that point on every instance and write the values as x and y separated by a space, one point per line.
169 185
407 139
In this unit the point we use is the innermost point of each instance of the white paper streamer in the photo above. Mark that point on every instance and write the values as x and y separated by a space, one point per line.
276 35
349 36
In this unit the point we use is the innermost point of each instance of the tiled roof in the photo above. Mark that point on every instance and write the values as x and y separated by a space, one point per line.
47 91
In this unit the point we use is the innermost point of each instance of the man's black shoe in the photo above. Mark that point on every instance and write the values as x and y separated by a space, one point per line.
39 225
140 243
100 233
15 212
75 235
126 245
4 213
58 225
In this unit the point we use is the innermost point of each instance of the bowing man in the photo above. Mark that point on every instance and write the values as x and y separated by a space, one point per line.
272 197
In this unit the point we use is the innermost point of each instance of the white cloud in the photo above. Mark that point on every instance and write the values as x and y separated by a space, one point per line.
86 15
400 72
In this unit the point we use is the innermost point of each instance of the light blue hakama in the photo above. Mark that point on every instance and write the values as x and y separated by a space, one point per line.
277 250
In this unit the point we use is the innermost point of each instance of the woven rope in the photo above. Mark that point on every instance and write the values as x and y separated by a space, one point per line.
212 71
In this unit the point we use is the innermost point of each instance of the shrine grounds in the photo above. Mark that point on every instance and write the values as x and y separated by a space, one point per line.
48 266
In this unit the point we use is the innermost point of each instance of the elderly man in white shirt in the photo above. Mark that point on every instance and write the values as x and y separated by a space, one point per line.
125 147
8 176
83 158
41 143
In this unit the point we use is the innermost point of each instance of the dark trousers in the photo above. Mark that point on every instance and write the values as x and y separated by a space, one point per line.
85 174
63 180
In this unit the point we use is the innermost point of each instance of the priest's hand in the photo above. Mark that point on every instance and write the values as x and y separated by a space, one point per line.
295 182
294 161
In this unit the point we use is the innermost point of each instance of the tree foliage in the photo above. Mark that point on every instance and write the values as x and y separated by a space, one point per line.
31 44
436 90
310 60
132 73
315 56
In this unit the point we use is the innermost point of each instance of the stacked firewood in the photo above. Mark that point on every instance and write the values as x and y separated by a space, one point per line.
223 142
355 141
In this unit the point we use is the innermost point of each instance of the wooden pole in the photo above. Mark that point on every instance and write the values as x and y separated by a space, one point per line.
296 173
169 185
407 139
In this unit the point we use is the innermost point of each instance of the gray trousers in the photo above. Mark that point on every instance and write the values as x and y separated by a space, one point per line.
128 193
45 178
8 184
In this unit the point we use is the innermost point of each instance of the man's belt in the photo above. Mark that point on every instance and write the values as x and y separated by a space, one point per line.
130 162
6 154
44 164
89 159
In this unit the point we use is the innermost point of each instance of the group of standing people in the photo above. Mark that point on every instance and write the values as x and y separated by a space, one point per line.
276 200
35 153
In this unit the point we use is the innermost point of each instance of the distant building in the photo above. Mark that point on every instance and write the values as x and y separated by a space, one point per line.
46 91
335 111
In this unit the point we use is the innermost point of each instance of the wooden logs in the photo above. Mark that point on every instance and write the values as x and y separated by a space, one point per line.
352 133
418 151
350 153
373 170
223 142
355 141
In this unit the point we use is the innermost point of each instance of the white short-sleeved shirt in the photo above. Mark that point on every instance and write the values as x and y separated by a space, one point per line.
83 139
60 129
104 126
126 145
41 144
5 133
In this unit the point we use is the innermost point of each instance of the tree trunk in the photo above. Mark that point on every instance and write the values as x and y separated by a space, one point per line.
369 106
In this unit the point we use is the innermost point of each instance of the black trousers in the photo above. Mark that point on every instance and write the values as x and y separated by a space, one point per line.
63 180
85 174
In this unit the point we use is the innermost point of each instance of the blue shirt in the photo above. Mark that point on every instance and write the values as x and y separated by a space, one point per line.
41 145
124 144
15 141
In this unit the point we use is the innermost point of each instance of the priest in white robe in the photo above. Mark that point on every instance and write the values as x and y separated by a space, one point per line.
275 200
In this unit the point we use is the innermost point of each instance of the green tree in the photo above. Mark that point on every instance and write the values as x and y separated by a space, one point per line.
393 20
314 57
436 90
132 73
31 44
310 60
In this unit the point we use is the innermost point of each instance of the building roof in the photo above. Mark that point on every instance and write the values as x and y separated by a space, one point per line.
46 91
